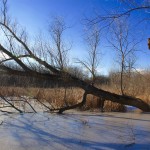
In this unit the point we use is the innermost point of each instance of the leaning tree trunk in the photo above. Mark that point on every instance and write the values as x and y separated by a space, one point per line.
121 99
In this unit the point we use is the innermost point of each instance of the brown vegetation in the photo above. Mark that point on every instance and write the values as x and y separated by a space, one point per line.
55 97
137 85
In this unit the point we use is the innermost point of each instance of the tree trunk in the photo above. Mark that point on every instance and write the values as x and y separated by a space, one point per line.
61 110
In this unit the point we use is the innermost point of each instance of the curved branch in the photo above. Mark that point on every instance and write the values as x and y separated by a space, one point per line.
19 62
61 110
13 106
21 56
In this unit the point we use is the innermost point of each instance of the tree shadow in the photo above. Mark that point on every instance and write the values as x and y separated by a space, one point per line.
52 135
110 116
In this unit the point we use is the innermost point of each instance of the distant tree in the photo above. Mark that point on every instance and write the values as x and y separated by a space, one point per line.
77 72
91 63
59 52
125 48
92 40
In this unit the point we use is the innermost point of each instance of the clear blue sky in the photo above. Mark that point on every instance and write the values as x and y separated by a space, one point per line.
35 15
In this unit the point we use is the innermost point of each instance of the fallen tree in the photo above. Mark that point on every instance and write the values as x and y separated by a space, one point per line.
88 88
11 52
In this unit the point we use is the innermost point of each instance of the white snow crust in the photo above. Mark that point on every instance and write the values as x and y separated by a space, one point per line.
75 131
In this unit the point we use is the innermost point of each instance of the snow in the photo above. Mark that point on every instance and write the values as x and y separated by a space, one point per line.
75 130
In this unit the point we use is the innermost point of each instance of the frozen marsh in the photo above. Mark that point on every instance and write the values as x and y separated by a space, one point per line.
75 130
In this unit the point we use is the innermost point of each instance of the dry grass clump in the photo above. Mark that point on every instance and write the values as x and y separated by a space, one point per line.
94 103
12 91
135 84
111 106
60 96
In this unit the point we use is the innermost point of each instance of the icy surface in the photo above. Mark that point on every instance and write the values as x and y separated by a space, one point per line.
75 131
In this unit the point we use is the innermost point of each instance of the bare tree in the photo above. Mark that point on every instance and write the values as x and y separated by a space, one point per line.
92 62
125 49
59 52
18 47
128 7
60 49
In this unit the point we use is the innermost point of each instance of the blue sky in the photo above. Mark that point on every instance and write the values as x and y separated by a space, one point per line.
34 15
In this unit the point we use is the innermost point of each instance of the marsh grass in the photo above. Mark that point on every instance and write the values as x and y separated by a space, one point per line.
60 97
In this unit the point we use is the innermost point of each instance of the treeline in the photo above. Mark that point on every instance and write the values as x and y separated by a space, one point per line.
134 84
54 82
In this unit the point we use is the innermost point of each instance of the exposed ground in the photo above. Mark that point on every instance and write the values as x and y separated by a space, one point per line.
75 130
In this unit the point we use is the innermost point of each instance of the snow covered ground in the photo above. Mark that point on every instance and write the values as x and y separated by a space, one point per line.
75 131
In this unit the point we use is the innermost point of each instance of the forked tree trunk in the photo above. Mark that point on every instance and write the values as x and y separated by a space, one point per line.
61 110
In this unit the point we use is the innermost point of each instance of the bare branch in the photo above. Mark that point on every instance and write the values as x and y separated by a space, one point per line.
13 106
